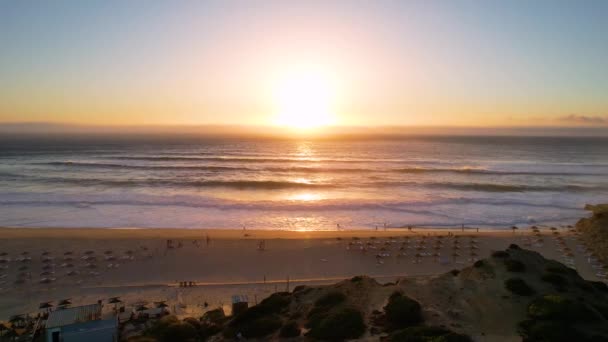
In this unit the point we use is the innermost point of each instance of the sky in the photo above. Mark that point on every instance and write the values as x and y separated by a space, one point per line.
351 63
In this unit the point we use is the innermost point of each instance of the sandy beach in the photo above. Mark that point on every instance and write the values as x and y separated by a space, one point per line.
87 264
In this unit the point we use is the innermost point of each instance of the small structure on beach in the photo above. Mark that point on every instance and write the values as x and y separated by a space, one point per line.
240 303
80 323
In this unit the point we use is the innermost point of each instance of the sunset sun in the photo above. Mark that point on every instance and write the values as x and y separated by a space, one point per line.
304 99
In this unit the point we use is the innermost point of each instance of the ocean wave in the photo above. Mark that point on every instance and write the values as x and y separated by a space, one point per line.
308 169
235 184
429 207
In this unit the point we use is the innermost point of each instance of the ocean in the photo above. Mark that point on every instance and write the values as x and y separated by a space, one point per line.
187 182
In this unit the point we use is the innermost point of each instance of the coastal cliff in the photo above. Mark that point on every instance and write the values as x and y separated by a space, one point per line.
594 230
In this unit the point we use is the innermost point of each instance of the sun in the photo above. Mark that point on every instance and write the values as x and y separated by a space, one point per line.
304 99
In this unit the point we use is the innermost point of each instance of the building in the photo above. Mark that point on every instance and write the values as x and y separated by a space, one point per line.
240 303
80 323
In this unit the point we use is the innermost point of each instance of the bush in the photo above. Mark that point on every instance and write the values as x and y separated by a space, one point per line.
260 320
598 285
330 299
532 330
514 246
478 264
556 307
500 254
290 329
346 323
514 265
356 279
215 316
519 287
402 311
554 279
430 334
260 327
170 328
455 272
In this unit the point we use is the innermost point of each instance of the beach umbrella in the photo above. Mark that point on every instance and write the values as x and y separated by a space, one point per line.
456 248
25 253
65 302
161 304
569 254
141 308
130 252
3 254
91 266
22 268
17 320
107 252
68 253
72 273
114 300
514 228
46 253
45 305
46 261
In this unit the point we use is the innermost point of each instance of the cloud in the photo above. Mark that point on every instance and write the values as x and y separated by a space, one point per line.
584 119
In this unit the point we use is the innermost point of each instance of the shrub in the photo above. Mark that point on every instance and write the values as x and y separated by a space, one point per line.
346 323
422 334
330 299
598 285
519 287
215 316
556 307
455 272
356 279
170 328
554 279
402 311
514 246
478 264
260 327
276 302
259 320
290 329
514 265
533 330
500 254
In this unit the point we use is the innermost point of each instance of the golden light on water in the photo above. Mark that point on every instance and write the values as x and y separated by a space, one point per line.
305 197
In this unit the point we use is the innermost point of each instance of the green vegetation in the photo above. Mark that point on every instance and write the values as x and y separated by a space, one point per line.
500 254
455 272
557 280
514 265
478 264
290 329
339 324
519 287
330 299
260 320
555 318
402 311
556 307
170 328
427 334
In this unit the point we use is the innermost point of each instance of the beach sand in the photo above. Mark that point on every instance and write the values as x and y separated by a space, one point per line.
230 263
